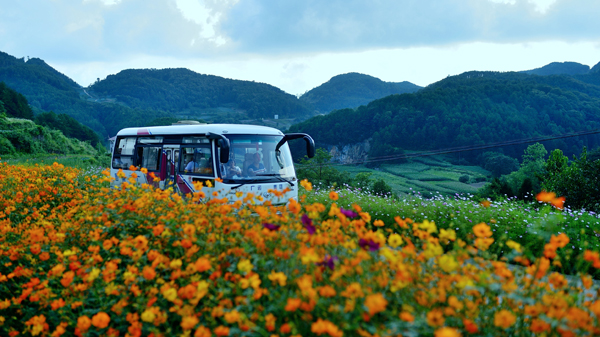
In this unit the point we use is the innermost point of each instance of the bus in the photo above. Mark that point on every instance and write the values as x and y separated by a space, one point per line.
244 158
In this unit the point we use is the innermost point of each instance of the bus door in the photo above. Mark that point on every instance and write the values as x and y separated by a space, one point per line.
171 153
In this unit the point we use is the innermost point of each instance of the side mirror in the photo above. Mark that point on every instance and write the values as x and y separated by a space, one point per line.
310 143
223 143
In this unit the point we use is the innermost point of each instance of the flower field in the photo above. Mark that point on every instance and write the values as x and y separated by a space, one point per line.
80 259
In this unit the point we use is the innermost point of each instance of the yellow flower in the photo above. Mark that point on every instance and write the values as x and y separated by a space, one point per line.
170 294
245 266
395 240
447 235
428 226
148 316
447 263
278 278
514 245
446 332
175 264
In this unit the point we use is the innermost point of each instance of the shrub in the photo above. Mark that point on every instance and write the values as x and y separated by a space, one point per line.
464 179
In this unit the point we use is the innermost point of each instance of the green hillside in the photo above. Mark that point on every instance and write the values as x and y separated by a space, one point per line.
560 68
352 90
470 109
182 90
22 136
48 90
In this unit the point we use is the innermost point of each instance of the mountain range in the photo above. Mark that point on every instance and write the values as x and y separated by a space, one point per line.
470 108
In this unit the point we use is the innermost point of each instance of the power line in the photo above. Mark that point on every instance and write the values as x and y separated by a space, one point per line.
469 148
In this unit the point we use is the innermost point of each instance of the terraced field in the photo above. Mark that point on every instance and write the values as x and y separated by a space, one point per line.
426 175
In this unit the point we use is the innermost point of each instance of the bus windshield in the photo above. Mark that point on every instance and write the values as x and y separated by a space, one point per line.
254 158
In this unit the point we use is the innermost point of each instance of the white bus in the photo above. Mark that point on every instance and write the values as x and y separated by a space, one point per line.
246 158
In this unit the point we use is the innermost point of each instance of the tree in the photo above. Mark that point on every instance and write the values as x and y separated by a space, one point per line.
578 181
318 170
533 167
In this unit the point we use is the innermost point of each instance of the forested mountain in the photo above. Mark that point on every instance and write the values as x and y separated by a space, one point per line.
178 90
352 90
469 109
560 68
48 90
13 104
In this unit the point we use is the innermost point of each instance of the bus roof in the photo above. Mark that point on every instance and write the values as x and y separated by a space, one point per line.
221 129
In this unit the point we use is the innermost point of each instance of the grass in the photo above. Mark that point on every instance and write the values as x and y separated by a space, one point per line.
425 174
84 162
530 224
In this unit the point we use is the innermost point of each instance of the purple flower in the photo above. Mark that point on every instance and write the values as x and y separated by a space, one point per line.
348 213
271 227
371 245
328 261
307 222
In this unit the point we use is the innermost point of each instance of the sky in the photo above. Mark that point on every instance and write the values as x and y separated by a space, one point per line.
298 45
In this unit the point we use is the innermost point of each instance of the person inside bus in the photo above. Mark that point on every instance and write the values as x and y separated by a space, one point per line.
256 167
232 170
191 165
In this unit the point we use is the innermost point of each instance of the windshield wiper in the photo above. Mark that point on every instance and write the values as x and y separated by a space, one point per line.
246 182
278 176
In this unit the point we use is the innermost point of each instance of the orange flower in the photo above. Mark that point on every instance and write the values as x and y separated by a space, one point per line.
333 196
378 223
407 316
293 304
550 197
294 206
189 322
203 264
149 273
560 241
221 331
504 319
306 184
482 230
435 318
470 326
539 326
84 323
202 332
326 327
375 303
285 328
100 320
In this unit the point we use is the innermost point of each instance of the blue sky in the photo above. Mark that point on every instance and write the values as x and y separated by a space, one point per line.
298 45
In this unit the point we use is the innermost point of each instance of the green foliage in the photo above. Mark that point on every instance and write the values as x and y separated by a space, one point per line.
532 169
352 90
464 179
48 90
177 90
470 109
68 125
319 171
578 181
380 187
498 163
13 104
22 136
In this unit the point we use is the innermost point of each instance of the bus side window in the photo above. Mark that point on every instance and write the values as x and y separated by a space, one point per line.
149 157
124 149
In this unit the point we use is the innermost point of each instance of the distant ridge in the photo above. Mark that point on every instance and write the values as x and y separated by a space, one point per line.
352 90
560 68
